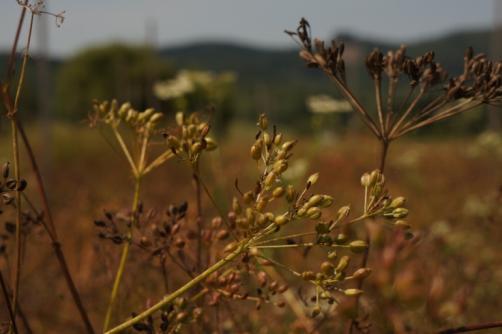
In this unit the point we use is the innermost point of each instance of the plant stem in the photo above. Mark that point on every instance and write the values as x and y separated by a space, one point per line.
123 257
49 223
15 153
182 290
198 219
364 262
470 328
8 304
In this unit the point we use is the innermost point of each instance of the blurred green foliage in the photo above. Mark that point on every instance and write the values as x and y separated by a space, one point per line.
272 81
124 72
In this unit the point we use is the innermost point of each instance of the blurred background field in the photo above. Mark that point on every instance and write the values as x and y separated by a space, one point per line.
448 274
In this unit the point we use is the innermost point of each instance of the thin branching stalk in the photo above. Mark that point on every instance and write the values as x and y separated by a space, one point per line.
123 257
5 293
198 219
471 328
48 224
15 153
182 290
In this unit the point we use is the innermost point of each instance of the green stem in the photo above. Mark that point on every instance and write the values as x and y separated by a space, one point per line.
182 290
123 257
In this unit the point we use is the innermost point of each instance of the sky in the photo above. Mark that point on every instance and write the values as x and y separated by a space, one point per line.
256 22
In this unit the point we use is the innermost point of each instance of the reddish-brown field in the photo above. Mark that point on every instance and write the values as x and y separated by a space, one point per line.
448 274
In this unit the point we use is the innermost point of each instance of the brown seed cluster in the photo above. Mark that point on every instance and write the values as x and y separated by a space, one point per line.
432 96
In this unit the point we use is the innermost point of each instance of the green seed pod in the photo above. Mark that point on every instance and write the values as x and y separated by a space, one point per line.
263 122
270 179
256 151
124 108
361 273
180 118
353 292
343 212
402 224
327 201
131 115
267 139
236 207
301 212
288 145
308 275
250 215
270 216
191 130
314 200
196 148
341 238
248 197
145 115
358 246
365 180
400 213
156 117
290 193
278 192
314 213
313 179
327 268
397 202
282 219
261 204
262 219
281 154
203 129
376 177
278 139
280 166
210 144
343 263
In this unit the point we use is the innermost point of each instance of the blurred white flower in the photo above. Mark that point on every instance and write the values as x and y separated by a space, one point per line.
325 104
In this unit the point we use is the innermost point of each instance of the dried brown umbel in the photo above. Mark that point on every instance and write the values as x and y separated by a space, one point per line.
432 95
